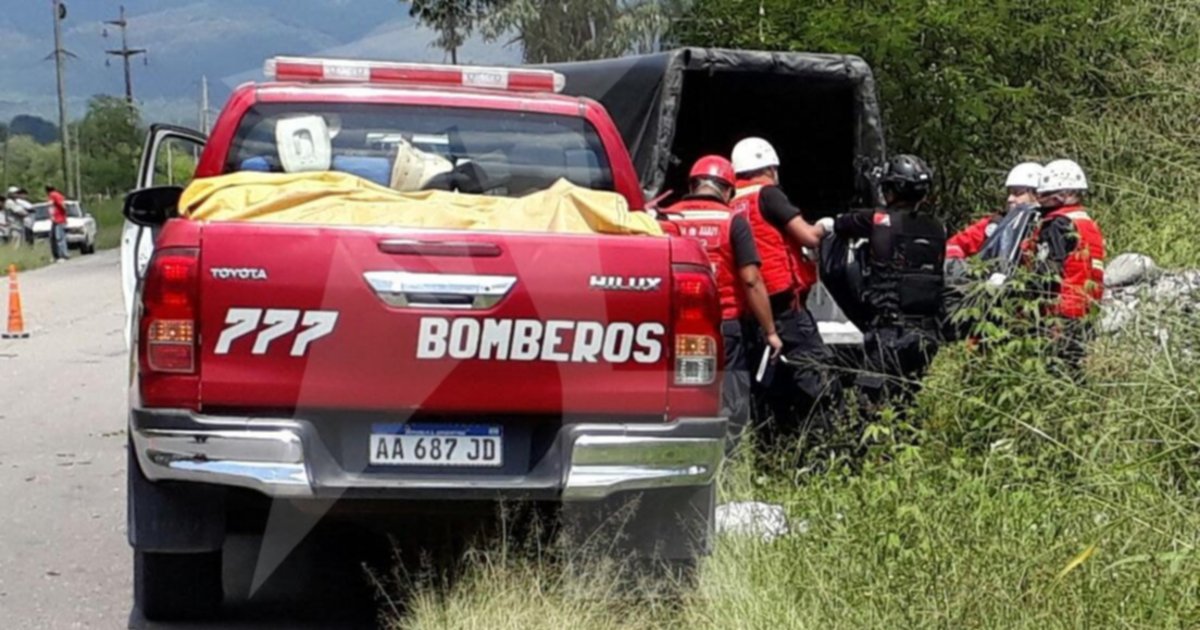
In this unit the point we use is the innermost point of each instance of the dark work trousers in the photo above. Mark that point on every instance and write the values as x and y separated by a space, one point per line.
803 392
895 359
735 383
1068 343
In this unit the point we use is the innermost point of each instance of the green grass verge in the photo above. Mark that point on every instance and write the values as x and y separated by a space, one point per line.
108 235
1009 498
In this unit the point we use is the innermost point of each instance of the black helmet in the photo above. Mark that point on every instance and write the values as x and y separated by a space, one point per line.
907 177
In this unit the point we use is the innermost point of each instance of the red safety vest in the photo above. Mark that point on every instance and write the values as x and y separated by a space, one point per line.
806 277
709 221
778 262
1082 284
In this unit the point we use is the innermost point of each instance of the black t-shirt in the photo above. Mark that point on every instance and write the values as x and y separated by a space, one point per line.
745 252
776 208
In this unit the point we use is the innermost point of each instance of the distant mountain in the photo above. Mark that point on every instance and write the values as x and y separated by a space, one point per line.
41 130
227 40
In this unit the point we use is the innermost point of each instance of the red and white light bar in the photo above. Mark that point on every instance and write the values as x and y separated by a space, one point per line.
318 70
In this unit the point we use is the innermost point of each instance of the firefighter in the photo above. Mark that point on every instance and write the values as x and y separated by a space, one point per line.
903 280
781 233
1022 185
705 214
1067 248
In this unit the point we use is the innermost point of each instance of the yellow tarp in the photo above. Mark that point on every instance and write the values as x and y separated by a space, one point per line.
332 198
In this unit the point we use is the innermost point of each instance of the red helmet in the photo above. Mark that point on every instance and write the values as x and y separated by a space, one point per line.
713 167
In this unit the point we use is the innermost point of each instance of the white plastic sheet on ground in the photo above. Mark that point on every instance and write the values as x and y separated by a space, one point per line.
764 521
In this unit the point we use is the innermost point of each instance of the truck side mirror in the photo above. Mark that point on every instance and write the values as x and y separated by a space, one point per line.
152 207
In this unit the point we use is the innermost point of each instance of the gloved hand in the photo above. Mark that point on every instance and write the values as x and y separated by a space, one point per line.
826 224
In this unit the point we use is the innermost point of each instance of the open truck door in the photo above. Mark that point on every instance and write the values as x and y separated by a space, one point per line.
166 156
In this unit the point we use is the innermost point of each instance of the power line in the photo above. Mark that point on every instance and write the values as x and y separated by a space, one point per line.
125 52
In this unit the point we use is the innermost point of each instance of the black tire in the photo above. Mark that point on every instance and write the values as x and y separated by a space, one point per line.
662 529
88 248
174 586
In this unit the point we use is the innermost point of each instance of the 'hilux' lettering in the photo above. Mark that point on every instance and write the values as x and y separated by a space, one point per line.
622 283
534 340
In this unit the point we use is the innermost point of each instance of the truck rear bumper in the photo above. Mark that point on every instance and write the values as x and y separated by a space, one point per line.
286 459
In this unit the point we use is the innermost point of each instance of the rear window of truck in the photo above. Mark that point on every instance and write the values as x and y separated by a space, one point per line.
492 152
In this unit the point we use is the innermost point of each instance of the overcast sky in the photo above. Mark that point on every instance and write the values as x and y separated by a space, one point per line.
227 40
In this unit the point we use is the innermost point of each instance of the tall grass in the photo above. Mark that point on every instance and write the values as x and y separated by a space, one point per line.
1140 146
1048 504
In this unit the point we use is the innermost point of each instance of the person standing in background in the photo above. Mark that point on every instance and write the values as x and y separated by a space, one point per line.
16 209
58 223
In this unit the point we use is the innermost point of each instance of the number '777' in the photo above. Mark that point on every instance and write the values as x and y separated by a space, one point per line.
272 324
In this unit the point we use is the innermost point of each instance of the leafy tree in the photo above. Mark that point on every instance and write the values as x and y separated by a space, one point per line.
574 30
970 84
110 137
454 20
32 165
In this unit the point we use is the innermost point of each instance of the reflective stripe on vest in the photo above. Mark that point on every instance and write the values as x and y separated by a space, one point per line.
709 222
778 263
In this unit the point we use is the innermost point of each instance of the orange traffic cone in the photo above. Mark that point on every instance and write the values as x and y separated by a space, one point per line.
16 323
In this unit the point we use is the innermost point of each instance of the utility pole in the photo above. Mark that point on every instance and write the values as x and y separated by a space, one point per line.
204 104
78 170
60 13
4 177
125 52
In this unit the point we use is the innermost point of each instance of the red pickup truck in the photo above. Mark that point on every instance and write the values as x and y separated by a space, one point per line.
426 373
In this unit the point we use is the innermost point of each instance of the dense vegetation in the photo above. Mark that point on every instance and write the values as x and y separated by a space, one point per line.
1008 497
977 85
109 138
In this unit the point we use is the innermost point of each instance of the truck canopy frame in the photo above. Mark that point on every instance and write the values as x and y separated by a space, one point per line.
820 111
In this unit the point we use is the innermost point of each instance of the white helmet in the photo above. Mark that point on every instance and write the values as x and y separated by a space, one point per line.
753 154
1062 175
1024 175
12 190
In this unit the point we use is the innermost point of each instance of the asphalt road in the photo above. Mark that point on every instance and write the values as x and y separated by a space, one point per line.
64 560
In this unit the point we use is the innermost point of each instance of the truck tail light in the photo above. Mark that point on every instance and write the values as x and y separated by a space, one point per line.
168 334
318 70
697 326
171 345
169 310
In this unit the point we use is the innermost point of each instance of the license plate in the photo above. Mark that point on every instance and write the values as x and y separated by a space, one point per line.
436 445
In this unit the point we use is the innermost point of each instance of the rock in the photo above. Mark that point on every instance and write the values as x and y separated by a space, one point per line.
1137 290
750 518
1116 314
1130 268
1172 288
